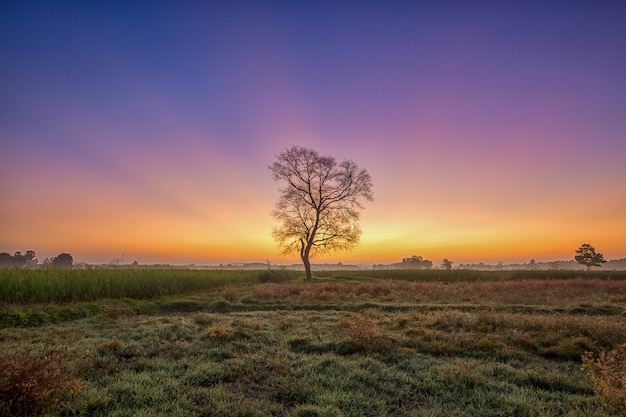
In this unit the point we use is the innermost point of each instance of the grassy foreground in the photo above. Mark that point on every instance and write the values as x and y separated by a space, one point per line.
237 344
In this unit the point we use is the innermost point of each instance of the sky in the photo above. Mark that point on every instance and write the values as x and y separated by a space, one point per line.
144 130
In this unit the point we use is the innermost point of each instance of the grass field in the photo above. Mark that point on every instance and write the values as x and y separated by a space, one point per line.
246 343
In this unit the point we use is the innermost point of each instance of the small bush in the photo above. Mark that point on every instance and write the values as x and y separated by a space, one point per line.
219 332
34 384
608 373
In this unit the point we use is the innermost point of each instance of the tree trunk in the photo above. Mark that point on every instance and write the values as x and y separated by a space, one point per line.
305 249
307 267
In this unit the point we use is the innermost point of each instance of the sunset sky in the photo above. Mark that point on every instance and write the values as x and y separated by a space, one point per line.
492 132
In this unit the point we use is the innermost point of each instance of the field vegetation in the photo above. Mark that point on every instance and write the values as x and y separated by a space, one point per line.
363 343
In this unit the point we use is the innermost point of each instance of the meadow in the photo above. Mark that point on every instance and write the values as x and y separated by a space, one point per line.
138 342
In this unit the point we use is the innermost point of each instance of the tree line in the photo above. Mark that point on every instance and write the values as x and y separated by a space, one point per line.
29 259
586 255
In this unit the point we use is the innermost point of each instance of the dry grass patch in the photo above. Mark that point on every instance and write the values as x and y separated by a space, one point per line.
608 372
35 384
364 334
570 292
219 333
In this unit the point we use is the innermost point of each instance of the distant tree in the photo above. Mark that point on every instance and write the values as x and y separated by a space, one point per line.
63 260
31 258
587 255
416 262
6 260
19 259
446 264
532 265
318 207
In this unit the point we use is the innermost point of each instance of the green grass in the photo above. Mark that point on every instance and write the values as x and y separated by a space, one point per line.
62 285
340 346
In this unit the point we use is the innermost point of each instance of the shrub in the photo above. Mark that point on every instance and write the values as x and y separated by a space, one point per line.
34 384
608 373
219 332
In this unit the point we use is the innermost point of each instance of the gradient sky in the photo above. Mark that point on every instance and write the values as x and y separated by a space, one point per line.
491 132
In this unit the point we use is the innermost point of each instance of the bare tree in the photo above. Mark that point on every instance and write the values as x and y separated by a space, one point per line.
319 205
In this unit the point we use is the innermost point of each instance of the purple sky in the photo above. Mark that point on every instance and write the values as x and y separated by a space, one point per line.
492 131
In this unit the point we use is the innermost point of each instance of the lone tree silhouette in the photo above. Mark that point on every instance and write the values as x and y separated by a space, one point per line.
63 260
319 205
586 255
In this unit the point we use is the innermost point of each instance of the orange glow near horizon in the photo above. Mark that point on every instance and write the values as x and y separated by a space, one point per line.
190 212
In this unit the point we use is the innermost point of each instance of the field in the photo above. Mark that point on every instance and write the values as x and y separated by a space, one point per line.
249 343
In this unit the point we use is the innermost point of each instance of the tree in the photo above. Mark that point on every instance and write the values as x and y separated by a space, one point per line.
31 258
587 255
318 207
17 260
30 255
446 264
417 262
63 260
6 260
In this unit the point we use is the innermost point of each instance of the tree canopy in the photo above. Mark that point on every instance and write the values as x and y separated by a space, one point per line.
63 260
587 255
319 203
18 260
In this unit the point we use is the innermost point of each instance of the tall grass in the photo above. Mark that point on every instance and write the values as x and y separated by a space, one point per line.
22 286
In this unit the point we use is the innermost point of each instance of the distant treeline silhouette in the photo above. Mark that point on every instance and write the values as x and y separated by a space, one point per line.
29 260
